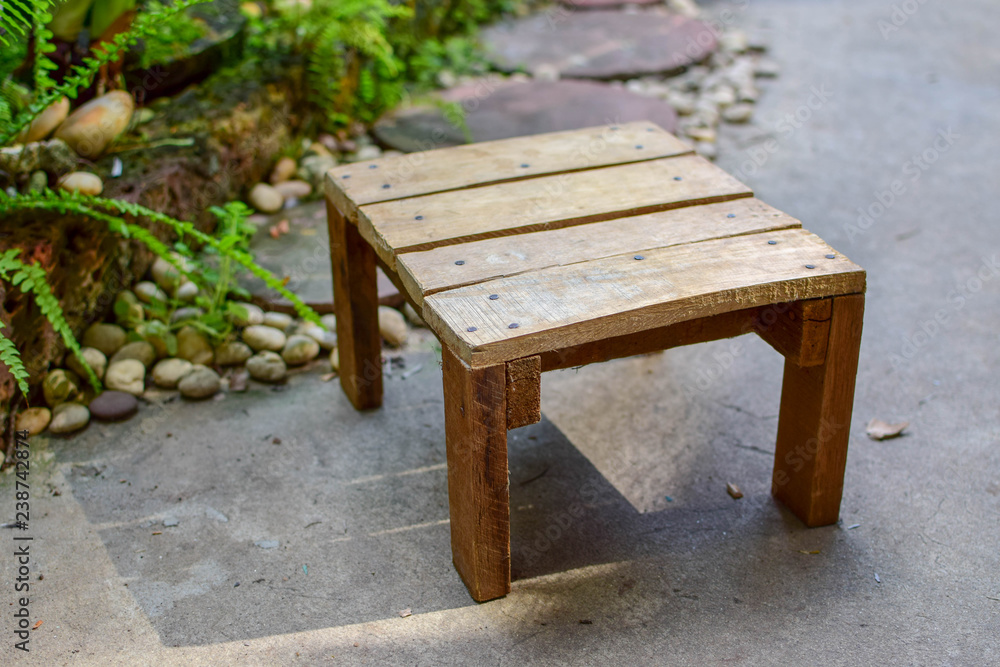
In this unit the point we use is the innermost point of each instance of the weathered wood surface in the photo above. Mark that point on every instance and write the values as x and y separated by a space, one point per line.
569 305
524 392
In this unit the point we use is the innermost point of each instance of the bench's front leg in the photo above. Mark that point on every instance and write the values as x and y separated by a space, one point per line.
475 415
355 301
815 421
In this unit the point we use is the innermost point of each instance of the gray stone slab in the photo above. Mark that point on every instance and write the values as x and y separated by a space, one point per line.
513 109
600 44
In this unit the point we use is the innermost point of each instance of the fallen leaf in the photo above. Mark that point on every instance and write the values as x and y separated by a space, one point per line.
405 612
880 430
734 491
35 626
809 553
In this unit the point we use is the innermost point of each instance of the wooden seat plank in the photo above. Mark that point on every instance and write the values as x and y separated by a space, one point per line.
452 266
563 306
353 185
547 202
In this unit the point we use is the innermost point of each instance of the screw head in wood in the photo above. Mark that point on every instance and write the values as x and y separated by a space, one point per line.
494 297
418 217
346 176
678 178
373 166
459 262
831 257
772 243
513 325
639 257
638 147
386 186
525 165
731 215
471 329
810 266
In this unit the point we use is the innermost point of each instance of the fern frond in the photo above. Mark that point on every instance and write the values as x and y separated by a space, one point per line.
10 357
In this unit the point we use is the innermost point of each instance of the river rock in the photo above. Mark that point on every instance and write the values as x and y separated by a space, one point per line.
105 337
149 292
279 321
265 198
128 310
60 386
43 125
260 337
738 113
92 127
52 156
83 182
186 313
128 375
69 417
251 315
392 326
232 353
266 366
194 346
112 406
326 339
283 170
168 372
94 358
314 167
165 274
34 420
335 359
38 181
201 382
299 350
186 292
139 350
294 189
329 321
412 316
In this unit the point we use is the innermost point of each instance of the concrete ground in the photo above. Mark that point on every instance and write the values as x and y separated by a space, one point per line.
357 502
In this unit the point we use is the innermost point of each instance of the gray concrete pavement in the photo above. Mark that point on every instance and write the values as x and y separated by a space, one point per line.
358 503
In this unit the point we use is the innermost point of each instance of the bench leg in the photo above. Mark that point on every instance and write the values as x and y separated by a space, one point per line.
355 301
815 421
475 416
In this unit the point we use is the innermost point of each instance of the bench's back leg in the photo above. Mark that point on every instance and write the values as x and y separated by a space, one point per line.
475 417
815 421
355 301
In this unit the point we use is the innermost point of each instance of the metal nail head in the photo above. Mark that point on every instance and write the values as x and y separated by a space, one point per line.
513 325
831 257
678 178
459 262
525 165
494 297
373 166
346 176
639 257
810 266
772 243
471 329
418 217
386 186
731 215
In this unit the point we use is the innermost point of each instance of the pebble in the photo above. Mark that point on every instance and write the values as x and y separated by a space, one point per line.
232 353
366 153
266 366
93 126
171 522
252 315
734 41
314 167
139 350
329 321
194 346
47 121
128 310
683 103
69 417
165 274
201 382
168 372
326 339
283 170
279 321
186 292
83 182
38 181
723 96
238 380
60 386
766 69
34 420
684 7
148 292
412 316
702 134
706 149
392 326
748 94
294 189
265 198
112 406
738 113
299 350
94 358
260 337
186 313
335 359
267 544
127 375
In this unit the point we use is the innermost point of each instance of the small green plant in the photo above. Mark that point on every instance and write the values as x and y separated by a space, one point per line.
173 39
12 360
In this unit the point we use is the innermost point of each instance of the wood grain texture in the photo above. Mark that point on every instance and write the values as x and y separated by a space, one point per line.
355 299
353 185
432 271
478 494
799 330
569 305
814 424
547 202
524 392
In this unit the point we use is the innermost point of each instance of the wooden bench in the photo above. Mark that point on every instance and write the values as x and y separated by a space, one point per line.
553 251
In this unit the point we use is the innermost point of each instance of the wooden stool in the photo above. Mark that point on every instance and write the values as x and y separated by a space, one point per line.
552 251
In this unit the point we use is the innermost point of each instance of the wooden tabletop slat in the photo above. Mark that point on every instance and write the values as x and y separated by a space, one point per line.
353 185
564 306
546 202
448 267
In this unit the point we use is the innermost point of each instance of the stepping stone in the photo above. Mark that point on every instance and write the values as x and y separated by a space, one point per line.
303 255
505 109
600 44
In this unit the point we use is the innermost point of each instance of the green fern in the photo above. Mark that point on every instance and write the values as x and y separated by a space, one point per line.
10 358
30 279
17 18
